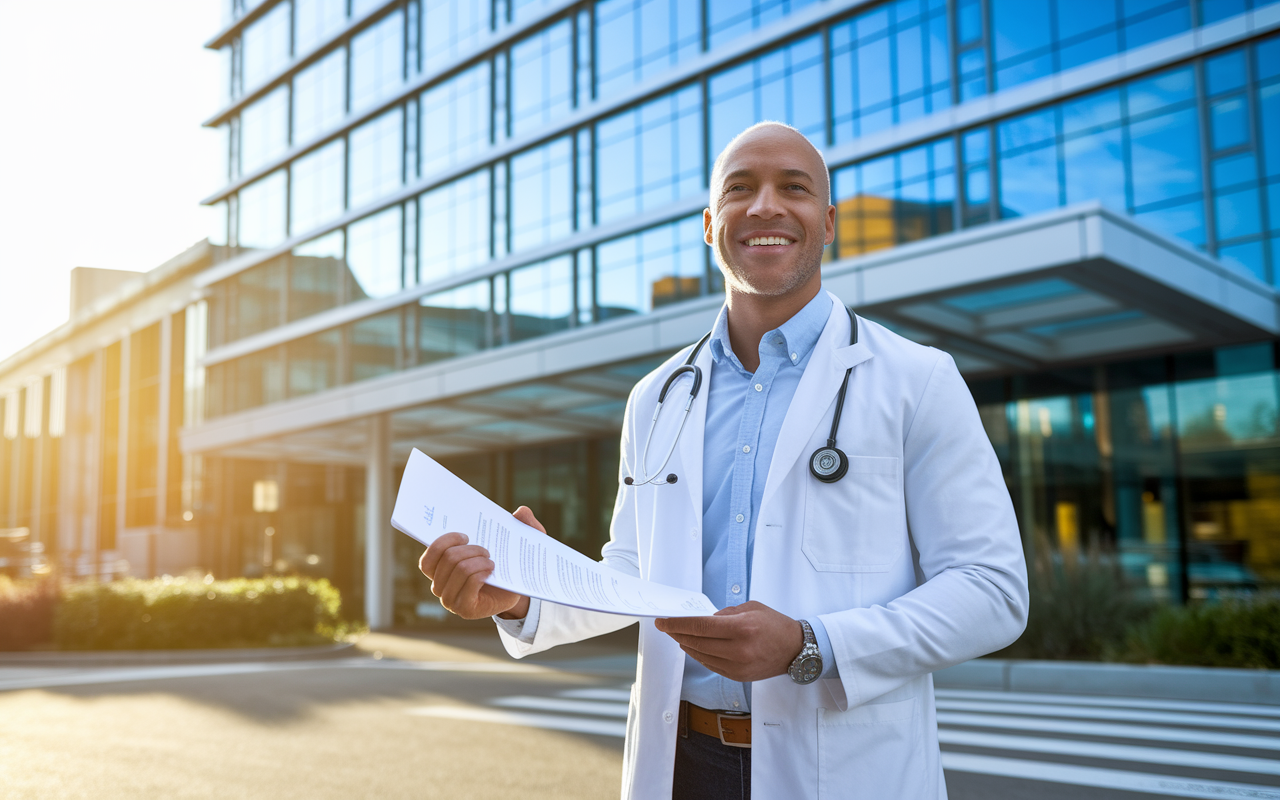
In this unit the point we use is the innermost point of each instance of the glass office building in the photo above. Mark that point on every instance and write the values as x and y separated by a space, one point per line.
470 227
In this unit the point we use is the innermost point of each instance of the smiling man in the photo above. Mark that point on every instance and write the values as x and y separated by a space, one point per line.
836 497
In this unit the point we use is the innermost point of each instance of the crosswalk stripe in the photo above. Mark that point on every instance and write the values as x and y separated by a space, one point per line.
1124 780
1085 712
567 706
599 727
1108 729
1110 751
1240 709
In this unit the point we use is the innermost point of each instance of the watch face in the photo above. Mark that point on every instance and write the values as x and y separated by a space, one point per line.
807 671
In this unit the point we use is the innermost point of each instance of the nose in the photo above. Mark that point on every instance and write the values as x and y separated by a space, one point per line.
766 204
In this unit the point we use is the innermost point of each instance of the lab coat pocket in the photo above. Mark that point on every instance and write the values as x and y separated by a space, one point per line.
870 751
857 523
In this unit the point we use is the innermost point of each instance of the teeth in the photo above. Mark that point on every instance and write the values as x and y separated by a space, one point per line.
766 240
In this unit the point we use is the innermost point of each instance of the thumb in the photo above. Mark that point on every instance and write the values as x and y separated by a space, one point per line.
525 515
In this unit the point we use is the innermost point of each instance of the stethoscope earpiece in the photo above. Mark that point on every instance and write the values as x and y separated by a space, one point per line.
829 464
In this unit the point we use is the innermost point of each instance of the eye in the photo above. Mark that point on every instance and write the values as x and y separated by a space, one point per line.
798 186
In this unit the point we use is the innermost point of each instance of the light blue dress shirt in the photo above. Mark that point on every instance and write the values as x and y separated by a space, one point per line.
744 415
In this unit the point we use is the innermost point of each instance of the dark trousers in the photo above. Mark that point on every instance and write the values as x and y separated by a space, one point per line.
708 770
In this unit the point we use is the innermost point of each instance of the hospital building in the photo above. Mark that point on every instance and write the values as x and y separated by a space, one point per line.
470 226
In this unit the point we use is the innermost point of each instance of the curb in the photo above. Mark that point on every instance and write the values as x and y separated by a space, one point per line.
1212 684
134 658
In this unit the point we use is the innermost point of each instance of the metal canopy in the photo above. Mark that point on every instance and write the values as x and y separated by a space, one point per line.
1078 285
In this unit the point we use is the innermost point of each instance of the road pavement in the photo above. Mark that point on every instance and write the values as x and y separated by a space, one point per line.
450 716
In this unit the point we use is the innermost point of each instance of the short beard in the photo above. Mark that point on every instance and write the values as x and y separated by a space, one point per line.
809 263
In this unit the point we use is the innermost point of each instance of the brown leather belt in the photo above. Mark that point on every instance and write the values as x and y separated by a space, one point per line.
731 728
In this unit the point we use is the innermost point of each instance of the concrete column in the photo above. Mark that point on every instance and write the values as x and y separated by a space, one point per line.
378 575
164 412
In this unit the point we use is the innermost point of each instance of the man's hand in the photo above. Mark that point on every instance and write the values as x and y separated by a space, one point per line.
457 571
749 642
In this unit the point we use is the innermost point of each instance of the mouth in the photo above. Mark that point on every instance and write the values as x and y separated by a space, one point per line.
769 241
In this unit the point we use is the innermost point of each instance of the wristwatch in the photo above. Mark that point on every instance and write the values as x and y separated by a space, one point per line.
807 666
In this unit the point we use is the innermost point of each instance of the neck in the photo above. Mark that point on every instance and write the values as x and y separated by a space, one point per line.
751 316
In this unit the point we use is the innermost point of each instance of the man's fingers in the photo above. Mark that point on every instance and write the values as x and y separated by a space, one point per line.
469 574
525 515
710 627
431 557
450 560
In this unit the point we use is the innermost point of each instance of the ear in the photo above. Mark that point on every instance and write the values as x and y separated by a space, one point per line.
831 225
707 235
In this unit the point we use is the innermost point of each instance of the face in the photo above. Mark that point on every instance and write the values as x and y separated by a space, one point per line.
770 217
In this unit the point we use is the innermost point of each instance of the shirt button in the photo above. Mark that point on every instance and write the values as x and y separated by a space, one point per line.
759 388
746 448
793 356
668 716
735 703
740 518
737 589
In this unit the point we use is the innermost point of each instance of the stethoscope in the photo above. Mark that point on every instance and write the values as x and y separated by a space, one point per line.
827 464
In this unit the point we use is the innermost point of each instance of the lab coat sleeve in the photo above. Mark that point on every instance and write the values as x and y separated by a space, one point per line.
558 624
973 598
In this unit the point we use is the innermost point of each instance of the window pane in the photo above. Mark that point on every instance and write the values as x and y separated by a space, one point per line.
662 265
1238 213
1229 122
1269 114
1168 89
265 46
264 130
1029 182
1225 72
455 119
254 380
373 255
453 323
255 300
377 152
1094 169
541 78
454 220
1245 258
377 61
315 21
317 187
313 362
316 276
1166 157
319 96
541 298
1185 221
374 345
649 156
784 85
639 38
1021 38
450 28
262 212
541 195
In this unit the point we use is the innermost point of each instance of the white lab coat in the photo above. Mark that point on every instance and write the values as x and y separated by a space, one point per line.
913 561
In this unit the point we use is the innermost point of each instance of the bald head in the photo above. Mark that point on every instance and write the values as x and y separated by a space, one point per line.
770 129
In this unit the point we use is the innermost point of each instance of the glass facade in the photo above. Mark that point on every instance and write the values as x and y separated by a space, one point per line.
506 171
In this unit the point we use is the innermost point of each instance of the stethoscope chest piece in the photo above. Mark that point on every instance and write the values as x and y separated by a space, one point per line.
828 464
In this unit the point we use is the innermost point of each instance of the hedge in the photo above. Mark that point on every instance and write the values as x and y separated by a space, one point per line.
183 613
26 613
1233 633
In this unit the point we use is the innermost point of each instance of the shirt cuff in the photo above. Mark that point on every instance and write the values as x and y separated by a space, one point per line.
829 669
523 630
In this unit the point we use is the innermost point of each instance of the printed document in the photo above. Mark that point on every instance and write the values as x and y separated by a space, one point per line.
433 501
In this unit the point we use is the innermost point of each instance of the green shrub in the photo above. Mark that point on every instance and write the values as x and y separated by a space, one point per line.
1081 607
179 613
26 612
1227 634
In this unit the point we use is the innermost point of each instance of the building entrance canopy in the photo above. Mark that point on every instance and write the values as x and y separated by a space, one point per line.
1076 285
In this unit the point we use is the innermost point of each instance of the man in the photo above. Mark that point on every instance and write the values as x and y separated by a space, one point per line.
859 586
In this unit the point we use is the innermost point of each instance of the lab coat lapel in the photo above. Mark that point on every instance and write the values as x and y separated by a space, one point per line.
815 395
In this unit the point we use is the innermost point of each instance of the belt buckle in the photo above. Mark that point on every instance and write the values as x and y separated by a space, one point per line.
720 716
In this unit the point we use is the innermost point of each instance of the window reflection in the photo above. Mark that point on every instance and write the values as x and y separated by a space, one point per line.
541 300
319 96
317 184
729 19
541 78
314 362
455 119
374 345
541 195
377 152
639 38
317 274
894 199
647 270
784 85
373 255
315 21
264 130
262 211
450 28
253 380
454 220
453 323
649 156
377 61
264 49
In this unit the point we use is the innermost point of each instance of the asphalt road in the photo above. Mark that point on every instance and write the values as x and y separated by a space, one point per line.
454 718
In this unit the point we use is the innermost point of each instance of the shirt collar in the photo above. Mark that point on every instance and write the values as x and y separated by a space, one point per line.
795 337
